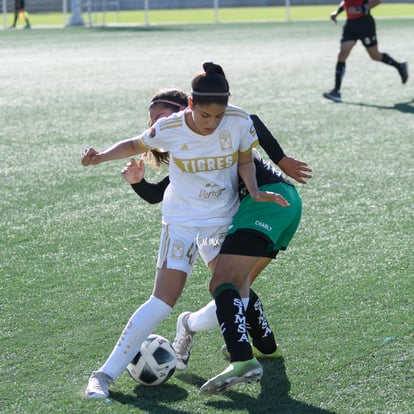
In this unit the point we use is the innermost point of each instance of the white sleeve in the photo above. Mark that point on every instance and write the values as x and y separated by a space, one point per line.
248 136
152 138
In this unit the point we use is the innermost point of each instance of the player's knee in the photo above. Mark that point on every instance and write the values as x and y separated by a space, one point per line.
375 55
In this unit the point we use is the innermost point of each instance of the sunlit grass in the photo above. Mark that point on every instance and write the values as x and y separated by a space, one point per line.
78 248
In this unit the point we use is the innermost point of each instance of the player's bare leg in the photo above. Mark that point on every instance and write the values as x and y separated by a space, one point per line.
344 51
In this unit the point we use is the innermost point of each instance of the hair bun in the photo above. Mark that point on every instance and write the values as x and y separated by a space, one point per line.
210 67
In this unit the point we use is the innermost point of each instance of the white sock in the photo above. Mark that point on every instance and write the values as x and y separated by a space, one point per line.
141 324
205 318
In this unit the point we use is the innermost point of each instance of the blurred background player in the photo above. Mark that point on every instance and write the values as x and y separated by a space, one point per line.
20 12
360 25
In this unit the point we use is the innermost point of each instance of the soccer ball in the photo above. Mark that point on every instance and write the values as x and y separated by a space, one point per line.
155 362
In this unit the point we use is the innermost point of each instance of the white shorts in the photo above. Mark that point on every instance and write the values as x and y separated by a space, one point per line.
180 245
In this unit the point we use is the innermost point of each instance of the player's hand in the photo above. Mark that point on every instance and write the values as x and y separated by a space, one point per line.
333 16
134 171
269 197
90 157
298 170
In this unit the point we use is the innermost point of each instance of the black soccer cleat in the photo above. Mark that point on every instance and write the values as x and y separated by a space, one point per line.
333 95
403 71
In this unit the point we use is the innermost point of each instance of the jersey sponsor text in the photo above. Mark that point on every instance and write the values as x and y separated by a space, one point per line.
197 165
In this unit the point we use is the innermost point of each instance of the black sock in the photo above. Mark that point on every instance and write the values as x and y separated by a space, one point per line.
339 74
388 60
258 326
232 322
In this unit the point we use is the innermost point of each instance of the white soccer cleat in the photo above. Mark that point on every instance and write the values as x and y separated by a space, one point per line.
183 341
98 385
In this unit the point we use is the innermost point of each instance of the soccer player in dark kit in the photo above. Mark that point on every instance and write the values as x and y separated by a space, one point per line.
19 10
360 25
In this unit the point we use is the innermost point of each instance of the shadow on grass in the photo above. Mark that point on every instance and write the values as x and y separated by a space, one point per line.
273 398
153 399
405 107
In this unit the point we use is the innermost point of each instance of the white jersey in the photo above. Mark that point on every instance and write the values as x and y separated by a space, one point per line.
203 168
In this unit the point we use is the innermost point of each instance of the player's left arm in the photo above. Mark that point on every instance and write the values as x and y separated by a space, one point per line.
372 3
134 173
296 169
267 141
338 11
152 193
247 172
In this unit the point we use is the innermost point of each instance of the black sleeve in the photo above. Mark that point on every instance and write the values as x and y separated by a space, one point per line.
152 193
267 141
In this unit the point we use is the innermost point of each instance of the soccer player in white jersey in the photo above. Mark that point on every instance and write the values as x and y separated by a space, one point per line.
258 232
210 143
163 104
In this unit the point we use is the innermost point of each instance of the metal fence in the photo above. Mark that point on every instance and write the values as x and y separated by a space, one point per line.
72 9
41 6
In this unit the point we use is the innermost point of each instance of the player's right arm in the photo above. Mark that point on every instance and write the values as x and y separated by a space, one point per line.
120 150
339 10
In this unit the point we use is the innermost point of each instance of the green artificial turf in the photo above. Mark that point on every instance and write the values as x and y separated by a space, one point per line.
78 248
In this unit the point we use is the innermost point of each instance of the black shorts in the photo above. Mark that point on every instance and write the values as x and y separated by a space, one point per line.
19 5
248 243
362 29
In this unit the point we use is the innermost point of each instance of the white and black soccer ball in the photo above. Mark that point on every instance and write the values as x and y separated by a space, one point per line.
155 363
